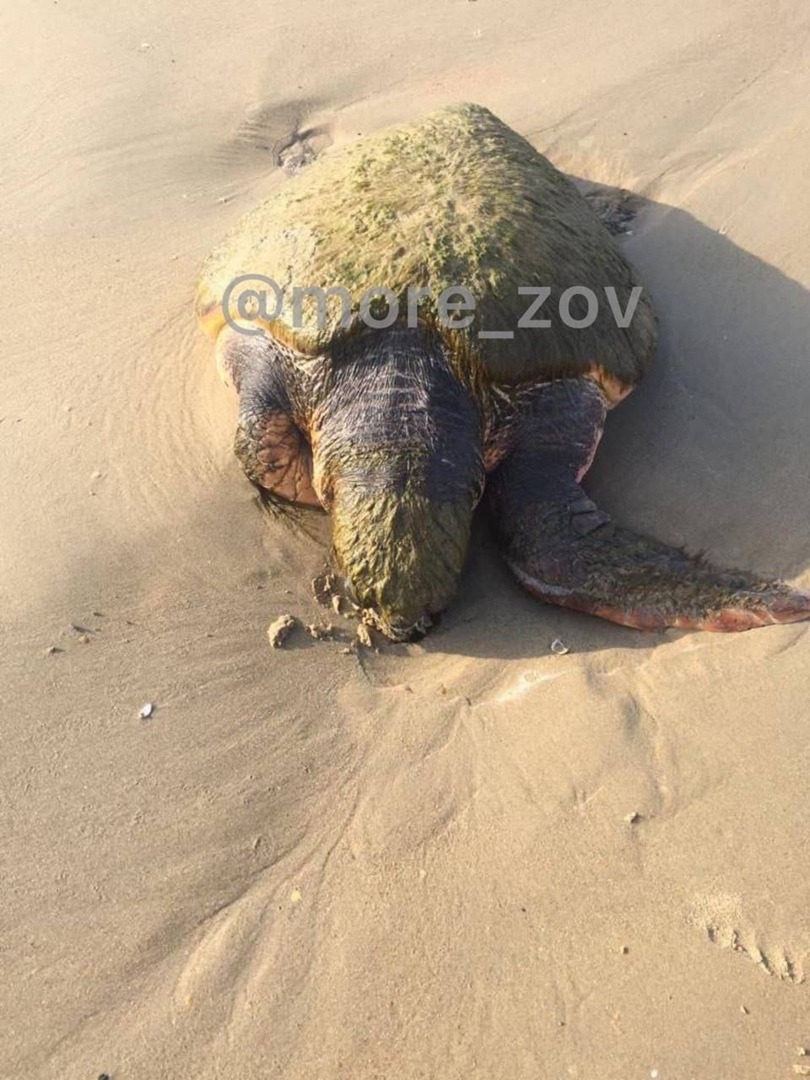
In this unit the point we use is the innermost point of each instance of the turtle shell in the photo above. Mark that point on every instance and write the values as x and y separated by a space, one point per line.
455 199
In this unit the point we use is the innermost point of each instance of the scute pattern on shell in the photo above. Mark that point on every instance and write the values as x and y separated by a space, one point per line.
457 198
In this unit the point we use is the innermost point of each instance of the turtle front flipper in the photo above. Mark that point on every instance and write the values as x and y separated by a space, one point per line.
270 441
567 552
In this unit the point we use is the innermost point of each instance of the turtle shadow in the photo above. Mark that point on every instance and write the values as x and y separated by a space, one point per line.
709 453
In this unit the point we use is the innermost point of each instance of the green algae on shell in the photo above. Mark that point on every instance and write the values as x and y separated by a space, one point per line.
455 199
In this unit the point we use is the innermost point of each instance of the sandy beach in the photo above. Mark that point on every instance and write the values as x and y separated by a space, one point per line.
467 857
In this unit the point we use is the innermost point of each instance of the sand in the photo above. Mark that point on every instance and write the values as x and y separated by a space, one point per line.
468 857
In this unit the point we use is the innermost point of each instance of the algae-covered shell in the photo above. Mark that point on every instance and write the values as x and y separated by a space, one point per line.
457 198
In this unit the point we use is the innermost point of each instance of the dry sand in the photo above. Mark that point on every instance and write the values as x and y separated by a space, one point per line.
419 863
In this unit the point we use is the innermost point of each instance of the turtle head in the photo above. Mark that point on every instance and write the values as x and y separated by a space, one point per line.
398 456
401 554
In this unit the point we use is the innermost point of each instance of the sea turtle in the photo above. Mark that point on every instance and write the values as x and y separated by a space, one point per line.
392 412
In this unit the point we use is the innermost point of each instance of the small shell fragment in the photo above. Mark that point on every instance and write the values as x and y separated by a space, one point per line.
558 647
146 710
279 631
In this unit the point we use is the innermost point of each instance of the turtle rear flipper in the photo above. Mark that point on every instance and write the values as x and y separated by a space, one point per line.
567 552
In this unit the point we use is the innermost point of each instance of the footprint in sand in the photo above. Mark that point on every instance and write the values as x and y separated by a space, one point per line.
721 917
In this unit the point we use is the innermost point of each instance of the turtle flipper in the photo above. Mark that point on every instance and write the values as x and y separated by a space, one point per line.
631 579
567 552
270 444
